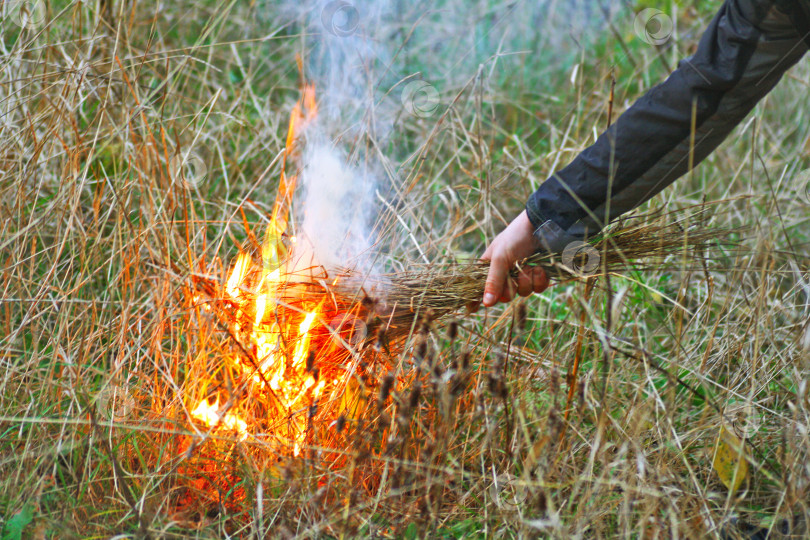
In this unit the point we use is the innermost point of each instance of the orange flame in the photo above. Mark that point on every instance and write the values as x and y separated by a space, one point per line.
304 112
238 275
281 353
209 415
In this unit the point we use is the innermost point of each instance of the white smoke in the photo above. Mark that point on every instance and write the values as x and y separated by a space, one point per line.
337 203
370 60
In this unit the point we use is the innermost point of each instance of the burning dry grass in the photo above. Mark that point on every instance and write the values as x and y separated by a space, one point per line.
587 411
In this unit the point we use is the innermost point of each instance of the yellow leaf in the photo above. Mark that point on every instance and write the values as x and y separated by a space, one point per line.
729 460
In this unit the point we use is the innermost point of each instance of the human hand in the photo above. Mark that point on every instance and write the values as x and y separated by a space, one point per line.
513 244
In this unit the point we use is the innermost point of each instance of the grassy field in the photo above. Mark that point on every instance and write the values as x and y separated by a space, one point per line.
104 352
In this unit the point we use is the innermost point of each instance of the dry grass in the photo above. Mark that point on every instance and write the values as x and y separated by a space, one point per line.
591 410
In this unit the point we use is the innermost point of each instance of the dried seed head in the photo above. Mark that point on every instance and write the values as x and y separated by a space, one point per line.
465 360
493 379
502 360
499 363
541 503
429 448
425 322
313 409
310 361
554 423
362 455
385 387
413 401
452 331
458 383
497 386
383 421
372 322
382 340
554 381
522 316
438 370
340 423
421 348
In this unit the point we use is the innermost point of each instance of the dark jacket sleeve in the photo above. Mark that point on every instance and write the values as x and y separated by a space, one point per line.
741 56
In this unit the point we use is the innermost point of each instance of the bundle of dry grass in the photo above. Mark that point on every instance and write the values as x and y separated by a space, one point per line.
390 304
643 241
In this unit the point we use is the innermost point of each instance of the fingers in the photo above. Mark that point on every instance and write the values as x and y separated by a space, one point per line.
496 277
508 291
539 280
525 282
531 280
500 287
513 244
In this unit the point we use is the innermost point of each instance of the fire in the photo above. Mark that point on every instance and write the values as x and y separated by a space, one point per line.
209 415
304 112
302 347
283 344
238 275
